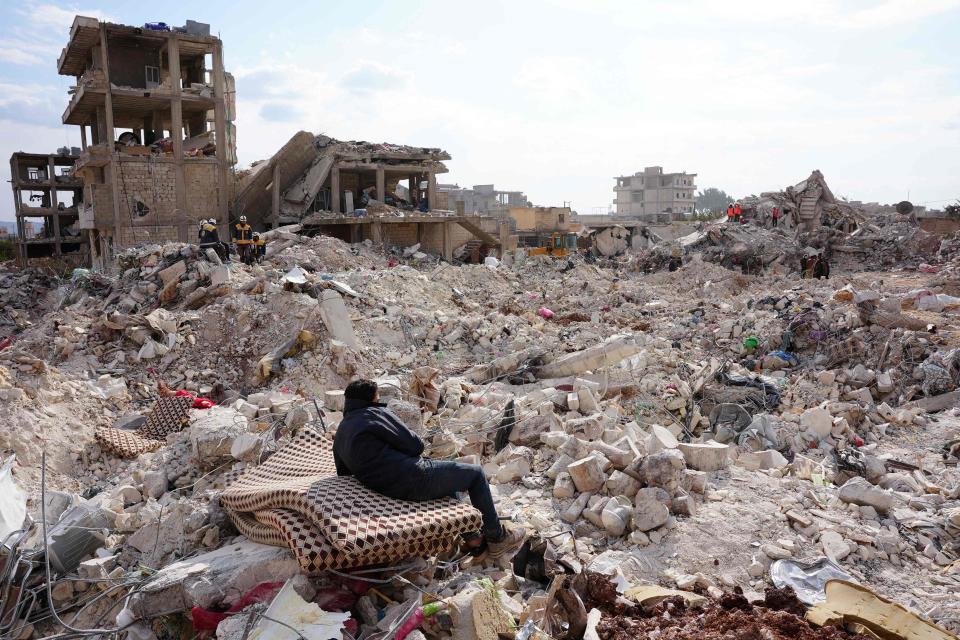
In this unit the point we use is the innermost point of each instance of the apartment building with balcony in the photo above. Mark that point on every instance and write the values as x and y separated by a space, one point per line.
155 109
654 196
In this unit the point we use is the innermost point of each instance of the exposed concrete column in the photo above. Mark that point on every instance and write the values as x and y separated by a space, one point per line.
99 128
504 228
220 132
51 176
275 192
376 233
176 137
447 240
381 184
335 189
83 137
432 189
414 194
106 136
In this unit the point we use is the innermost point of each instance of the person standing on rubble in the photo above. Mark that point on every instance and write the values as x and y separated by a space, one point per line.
730 213
775 216
244 240
737 213
373 445
210 239
259 248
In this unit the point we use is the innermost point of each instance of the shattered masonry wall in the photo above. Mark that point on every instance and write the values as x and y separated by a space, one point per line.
941 226
399 235
203 194
154 184
100 197
133 235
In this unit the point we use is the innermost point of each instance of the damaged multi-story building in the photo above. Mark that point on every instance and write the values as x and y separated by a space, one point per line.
482 198
356 191
655 196
155 110
46 200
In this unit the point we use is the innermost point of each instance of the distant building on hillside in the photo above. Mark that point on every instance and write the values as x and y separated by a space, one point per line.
655 196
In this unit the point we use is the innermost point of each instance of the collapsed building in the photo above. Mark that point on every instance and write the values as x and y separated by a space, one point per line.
47 196
356 191
167 93
692 453
805 206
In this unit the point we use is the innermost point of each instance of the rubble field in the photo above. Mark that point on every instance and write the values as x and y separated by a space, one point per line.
694 452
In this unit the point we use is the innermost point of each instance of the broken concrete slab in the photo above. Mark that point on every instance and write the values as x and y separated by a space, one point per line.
609 353
213 432
587 474
834 546
660 438
172 273
336 318
859 491
663 469
706 456
649 513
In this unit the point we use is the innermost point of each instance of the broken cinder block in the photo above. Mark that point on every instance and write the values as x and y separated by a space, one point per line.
587 474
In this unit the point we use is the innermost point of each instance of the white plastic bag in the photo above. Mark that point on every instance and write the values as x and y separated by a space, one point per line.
13 500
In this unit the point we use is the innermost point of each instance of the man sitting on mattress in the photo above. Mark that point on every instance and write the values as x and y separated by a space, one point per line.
373 445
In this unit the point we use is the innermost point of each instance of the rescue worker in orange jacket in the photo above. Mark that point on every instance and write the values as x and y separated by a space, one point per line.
737 212
730 212
259 248
243 238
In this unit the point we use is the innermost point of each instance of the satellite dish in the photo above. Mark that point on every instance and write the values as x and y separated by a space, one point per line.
904 207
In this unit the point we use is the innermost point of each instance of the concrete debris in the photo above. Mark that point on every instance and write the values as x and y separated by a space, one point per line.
696 425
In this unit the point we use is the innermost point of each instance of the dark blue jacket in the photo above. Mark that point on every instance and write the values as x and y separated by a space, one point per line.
382 452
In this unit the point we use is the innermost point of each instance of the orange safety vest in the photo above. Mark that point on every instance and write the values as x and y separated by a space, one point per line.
730 211
243 234
736 210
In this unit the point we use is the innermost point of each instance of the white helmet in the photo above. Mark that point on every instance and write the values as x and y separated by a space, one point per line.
212 221
243 218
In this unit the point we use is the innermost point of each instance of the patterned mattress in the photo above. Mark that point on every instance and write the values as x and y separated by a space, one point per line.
295 499
169 415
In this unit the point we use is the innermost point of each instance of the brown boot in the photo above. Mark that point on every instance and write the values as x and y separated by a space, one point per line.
503 550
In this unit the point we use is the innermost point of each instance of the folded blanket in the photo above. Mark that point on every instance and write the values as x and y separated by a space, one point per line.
168 415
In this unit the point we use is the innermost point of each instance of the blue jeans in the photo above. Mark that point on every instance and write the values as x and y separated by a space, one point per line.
444 478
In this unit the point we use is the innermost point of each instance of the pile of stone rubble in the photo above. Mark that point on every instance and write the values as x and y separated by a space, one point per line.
683 430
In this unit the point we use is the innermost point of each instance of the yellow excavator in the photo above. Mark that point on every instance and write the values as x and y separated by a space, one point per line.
561 245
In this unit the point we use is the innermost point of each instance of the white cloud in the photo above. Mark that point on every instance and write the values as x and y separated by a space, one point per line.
40 38
373 76
553 78
751 95
48 15
17 55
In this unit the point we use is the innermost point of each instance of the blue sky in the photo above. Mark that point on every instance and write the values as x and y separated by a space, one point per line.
556 97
